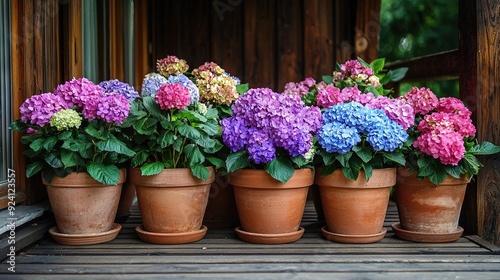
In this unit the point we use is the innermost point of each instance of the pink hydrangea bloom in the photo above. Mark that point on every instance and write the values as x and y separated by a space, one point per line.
171 65
454 106
113 108
172 96
77 92
328 96
354 68
422 100
396 109
38 109
444 122
447 147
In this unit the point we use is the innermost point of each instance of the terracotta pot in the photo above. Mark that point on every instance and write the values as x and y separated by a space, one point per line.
267 206
173 201
356 207
81 205
221 209
425 207
126 199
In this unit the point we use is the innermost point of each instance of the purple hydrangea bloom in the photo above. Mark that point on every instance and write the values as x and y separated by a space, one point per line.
396 109
38 109
184 81
119 87
113 108
263 121
77 92
151 83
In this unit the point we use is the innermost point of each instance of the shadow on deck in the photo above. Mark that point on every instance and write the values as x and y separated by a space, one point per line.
222 255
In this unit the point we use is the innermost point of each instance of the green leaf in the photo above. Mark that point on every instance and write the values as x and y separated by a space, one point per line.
139 158
33 168
368 171
377 65
217 162
206 142
485 148
92 131
364 153
152 168
189 132
151 105
69 158
471 164
200 171
53 161
454 171
438 175
280 169
350 172
210 128
425 167
115 145
398 74
65 135
237 161
327 170
166 139
37 145
104 174
49 143
344 158
396 157
145 126
242 88
327 79
72 145
299 161
194 155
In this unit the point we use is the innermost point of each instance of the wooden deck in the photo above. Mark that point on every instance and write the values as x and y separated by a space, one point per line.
221 255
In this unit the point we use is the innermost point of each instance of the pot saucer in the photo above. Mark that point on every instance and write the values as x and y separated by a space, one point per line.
263 238
84 239
171 238
354 238
426 237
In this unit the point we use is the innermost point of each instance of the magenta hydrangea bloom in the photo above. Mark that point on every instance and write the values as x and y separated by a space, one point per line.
113 108
447 147
444 122
331 95
77 92
173 96
38 109
422 100
301 88
454 106
396 109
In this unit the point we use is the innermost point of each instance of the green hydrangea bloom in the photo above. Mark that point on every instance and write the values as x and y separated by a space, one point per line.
65 119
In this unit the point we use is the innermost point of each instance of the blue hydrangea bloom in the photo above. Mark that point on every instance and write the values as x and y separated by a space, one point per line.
387 135
119 87
151 83
336 137
184 81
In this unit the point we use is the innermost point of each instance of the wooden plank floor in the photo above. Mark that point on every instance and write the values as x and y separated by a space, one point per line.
221 255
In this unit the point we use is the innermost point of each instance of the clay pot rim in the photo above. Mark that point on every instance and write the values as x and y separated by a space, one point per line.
302 178
164 178
404 172
338 180
81 180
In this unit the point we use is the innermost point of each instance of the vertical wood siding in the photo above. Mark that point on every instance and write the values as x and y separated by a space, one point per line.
266 43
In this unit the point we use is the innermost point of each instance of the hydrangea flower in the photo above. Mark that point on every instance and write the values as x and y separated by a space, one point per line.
171 65
443 121
184 81
353 72
77 92
151 83
38 109
264 121
346 124
396 109
119 87
448 147
66 119
422 100
113 108
173 96
301 88
454 106
215 85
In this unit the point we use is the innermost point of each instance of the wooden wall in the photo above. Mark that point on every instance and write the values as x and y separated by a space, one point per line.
266 43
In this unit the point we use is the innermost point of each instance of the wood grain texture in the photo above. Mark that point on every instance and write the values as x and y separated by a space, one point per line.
488 117
141 42
116 50
367 29
221 254
260 43
319 57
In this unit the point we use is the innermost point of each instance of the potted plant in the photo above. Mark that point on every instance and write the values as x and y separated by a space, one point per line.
72 139
440 161
270 136
359 147
175 138
219 90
